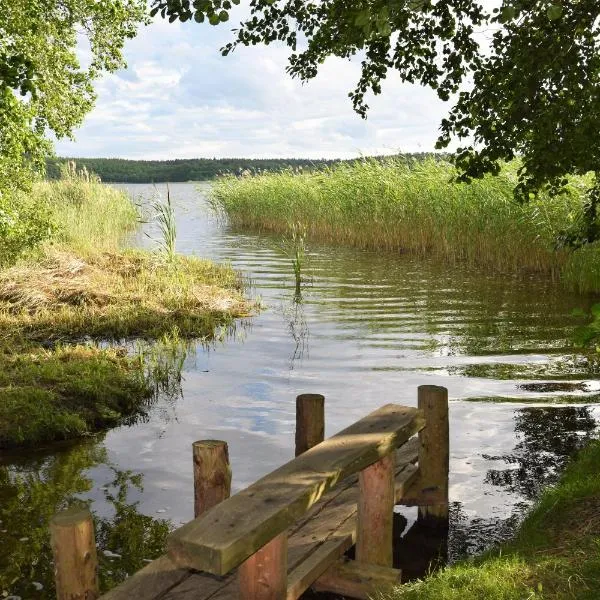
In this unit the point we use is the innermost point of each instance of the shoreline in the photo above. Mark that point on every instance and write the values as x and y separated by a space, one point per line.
63 303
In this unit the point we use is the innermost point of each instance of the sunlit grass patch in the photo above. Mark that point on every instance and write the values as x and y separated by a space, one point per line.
116 295
65 392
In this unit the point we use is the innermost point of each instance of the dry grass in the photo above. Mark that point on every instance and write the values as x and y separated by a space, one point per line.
116 295
80 285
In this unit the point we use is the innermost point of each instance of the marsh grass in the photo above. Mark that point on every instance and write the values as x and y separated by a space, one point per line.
88 217
164 216
419 208
294 245
61 305
554 556
49 394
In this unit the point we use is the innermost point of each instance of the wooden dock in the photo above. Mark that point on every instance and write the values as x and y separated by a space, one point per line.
290 530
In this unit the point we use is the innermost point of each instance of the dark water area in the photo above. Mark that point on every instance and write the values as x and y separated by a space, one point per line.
370 328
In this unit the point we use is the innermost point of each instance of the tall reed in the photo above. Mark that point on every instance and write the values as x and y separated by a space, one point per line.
419 208
165 219
88 215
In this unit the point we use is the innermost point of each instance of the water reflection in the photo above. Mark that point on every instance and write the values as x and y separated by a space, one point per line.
295 318
548 437
32 490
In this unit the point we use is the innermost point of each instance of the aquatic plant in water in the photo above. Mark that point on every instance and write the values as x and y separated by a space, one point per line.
165 219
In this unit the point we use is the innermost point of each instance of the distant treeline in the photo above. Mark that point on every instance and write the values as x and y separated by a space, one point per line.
193 169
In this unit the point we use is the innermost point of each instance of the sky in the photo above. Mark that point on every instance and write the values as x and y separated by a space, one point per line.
179 98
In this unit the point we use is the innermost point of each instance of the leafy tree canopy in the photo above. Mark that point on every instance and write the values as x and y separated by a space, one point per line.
44 88
532 92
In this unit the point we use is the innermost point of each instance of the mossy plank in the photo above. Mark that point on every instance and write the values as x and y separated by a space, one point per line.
235 529
151 582
315 542
357 579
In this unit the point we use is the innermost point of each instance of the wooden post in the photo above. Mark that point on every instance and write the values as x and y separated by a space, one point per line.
310 421
434 450
376 499
212 474
263 576
74 550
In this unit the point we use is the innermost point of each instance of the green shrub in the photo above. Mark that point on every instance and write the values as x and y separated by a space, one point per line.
25 222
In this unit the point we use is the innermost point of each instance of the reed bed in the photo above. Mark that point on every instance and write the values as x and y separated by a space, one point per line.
419 208
86 216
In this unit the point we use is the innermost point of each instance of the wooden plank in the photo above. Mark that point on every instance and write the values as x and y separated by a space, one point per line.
317 563
324 539
212 474
263 576
434 456
232 531
315 542
421 494
74 551
200 586
310 421
151 582
357 579
376 499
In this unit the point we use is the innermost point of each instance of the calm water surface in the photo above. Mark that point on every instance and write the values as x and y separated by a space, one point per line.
370 329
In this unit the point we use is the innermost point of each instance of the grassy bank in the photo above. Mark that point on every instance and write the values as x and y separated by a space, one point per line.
76 288
418 209
555 555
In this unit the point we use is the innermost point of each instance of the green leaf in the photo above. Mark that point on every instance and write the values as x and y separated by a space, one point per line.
223 16
214 19
507 14
554 12
199 17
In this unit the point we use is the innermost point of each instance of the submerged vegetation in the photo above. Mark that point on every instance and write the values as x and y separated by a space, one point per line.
75 288
420 208
554 556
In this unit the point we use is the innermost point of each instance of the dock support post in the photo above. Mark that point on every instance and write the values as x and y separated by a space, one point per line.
212 474
376 499
310 421
263 576
74 550
434 450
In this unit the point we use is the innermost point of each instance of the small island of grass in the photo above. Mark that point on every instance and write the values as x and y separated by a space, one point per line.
68 288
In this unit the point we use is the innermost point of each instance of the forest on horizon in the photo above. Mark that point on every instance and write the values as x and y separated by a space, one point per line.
120 170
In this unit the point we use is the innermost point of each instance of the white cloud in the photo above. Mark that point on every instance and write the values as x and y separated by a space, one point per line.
179 98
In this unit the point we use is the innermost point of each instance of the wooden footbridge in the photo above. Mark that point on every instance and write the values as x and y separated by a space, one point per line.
290 530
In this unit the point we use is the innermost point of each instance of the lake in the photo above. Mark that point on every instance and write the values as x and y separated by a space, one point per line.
370 328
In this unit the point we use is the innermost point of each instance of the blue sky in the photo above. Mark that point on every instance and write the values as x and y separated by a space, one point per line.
178 98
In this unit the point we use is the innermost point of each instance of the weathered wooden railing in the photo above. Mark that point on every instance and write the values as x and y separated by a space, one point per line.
290 530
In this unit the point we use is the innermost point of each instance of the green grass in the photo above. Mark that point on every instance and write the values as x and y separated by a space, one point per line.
418 208
554 556
81 284
66 392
